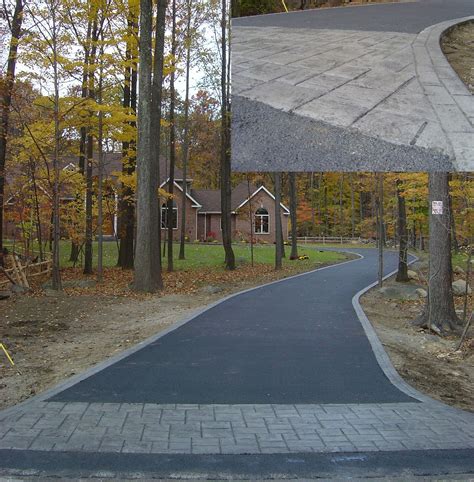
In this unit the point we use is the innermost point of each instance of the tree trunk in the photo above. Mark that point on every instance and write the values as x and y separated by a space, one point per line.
293 215
341 205
251 221
6 101
147 263
90 154
380 229
75 249
171 202
439 311
39 229
225 168
278 240
402 274
126 203
186 132
351 177
56 273
100 216
454 240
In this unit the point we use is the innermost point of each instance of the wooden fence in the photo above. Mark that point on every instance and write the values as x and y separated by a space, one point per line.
20 270
332 240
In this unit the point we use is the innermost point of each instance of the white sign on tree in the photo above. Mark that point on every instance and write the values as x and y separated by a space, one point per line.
437 207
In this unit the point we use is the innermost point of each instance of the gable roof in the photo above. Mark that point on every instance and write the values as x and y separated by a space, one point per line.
263 188
196 204
210 199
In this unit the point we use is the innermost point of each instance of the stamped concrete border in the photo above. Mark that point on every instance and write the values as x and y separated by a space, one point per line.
447 93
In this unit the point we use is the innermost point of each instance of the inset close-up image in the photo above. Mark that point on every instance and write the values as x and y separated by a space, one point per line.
378 87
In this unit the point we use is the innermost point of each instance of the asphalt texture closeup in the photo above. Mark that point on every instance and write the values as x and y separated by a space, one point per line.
286 141
296 341
406 17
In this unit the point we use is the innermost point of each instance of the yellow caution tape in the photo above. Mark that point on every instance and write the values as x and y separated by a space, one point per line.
6 353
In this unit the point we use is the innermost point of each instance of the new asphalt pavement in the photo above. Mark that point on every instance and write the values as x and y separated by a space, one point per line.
405 17
294 342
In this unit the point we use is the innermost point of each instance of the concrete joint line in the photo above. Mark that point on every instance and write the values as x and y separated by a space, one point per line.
398 89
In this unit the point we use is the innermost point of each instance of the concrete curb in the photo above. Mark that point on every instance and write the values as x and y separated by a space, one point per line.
446 92
42 397
382 356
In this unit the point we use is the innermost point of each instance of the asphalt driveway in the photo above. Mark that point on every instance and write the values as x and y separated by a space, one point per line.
297 341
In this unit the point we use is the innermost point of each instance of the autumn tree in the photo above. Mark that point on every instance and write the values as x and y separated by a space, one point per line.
6 88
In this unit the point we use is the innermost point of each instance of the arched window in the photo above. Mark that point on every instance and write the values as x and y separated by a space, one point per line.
164 216
262 221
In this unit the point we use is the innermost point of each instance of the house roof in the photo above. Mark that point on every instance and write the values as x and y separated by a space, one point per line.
210 199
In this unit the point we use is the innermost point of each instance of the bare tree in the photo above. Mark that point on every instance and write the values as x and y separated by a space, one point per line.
6 98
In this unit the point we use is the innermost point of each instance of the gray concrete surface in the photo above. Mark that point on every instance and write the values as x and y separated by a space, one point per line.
309 85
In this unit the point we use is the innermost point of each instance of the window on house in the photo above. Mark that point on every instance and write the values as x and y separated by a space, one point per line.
164 216
262 221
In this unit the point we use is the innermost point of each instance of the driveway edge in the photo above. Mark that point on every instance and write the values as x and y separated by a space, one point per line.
382 356
446 92
43 396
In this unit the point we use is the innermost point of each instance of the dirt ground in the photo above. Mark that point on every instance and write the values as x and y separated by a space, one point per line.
53 336
458 46
426 361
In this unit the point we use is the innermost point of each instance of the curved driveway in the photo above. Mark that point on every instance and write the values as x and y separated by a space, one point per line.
353 88
297 341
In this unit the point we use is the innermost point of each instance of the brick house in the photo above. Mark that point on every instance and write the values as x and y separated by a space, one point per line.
203 212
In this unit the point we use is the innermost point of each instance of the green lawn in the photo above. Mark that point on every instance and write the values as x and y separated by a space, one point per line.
200 255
